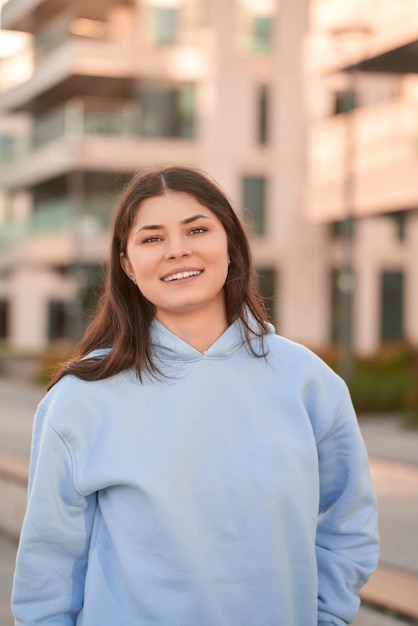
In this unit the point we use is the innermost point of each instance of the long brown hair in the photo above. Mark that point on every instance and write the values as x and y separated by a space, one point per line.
123 318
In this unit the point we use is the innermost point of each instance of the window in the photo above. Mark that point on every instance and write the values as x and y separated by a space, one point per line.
345 101
92 287
167 110
57 320
343 229
392 302
164 25
341 302
400 219
4 319
263 114
6 148
267 280
254 200
335 307
262 34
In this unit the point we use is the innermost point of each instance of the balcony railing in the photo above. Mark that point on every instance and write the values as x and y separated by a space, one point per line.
383 133
58 216
371 151
166 114
117 28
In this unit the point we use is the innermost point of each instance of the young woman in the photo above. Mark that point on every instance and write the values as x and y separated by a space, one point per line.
189 466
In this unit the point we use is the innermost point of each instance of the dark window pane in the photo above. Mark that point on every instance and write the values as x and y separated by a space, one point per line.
400 219
392 299
254 200
263 114
4 319
57 320
343 229
345 101
167 110
341 302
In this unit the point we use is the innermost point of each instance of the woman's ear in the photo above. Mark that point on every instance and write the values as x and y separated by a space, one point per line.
127 267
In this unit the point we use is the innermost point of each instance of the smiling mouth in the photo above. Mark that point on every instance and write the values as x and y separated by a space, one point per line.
180 275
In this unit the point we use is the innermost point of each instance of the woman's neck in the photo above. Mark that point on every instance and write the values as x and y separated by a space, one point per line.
198 330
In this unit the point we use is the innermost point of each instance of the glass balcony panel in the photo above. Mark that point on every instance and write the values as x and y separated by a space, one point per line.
53 216
49 127
11 233
163 111
6 148
63 215
123 122
60 215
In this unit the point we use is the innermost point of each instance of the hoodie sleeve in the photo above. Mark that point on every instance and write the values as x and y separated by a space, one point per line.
52 556
347 541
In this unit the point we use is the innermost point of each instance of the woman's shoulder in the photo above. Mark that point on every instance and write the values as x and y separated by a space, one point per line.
300 358
73 399
323 390
282 346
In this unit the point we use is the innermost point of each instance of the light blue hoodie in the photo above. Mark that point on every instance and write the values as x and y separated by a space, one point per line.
233 492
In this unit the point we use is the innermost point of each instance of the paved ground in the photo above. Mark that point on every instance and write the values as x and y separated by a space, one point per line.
17 408
394 462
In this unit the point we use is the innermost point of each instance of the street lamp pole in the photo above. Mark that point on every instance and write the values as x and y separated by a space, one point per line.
346 278
349 35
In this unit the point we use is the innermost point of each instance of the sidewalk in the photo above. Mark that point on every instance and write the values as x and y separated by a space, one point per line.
393 452
391 596
394 586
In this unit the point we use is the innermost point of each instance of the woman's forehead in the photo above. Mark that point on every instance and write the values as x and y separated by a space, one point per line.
170 206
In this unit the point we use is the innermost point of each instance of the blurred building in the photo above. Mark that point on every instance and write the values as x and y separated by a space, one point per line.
117 85
362 182
106 88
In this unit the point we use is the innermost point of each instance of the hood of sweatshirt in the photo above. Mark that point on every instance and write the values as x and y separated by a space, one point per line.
169 347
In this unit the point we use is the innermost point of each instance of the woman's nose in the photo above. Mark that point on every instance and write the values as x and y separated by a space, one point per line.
177 250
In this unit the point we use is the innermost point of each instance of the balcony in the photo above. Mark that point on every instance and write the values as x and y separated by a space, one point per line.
392 42
111 48
103 135
384 165
59 216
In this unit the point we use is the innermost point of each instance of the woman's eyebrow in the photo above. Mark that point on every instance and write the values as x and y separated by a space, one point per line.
188 220
149 227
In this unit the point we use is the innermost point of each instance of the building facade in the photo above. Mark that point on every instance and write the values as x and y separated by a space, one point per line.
118 85
249 92
362 173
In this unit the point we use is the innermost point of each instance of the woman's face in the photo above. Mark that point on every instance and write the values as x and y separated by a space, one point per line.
177 253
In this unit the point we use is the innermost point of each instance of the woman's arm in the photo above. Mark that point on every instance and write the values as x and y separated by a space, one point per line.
52 555
347 540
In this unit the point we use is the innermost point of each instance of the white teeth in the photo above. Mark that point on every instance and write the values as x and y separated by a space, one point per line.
181 275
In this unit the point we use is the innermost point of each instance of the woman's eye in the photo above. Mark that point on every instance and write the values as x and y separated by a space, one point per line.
151 239
197 230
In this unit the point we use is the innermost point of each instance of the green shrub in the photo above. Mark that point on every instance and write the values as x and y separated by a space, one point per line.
386 382
50 361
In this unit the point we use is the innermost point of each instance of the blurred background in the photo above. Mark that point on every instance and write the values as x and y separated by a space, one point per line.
305 111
